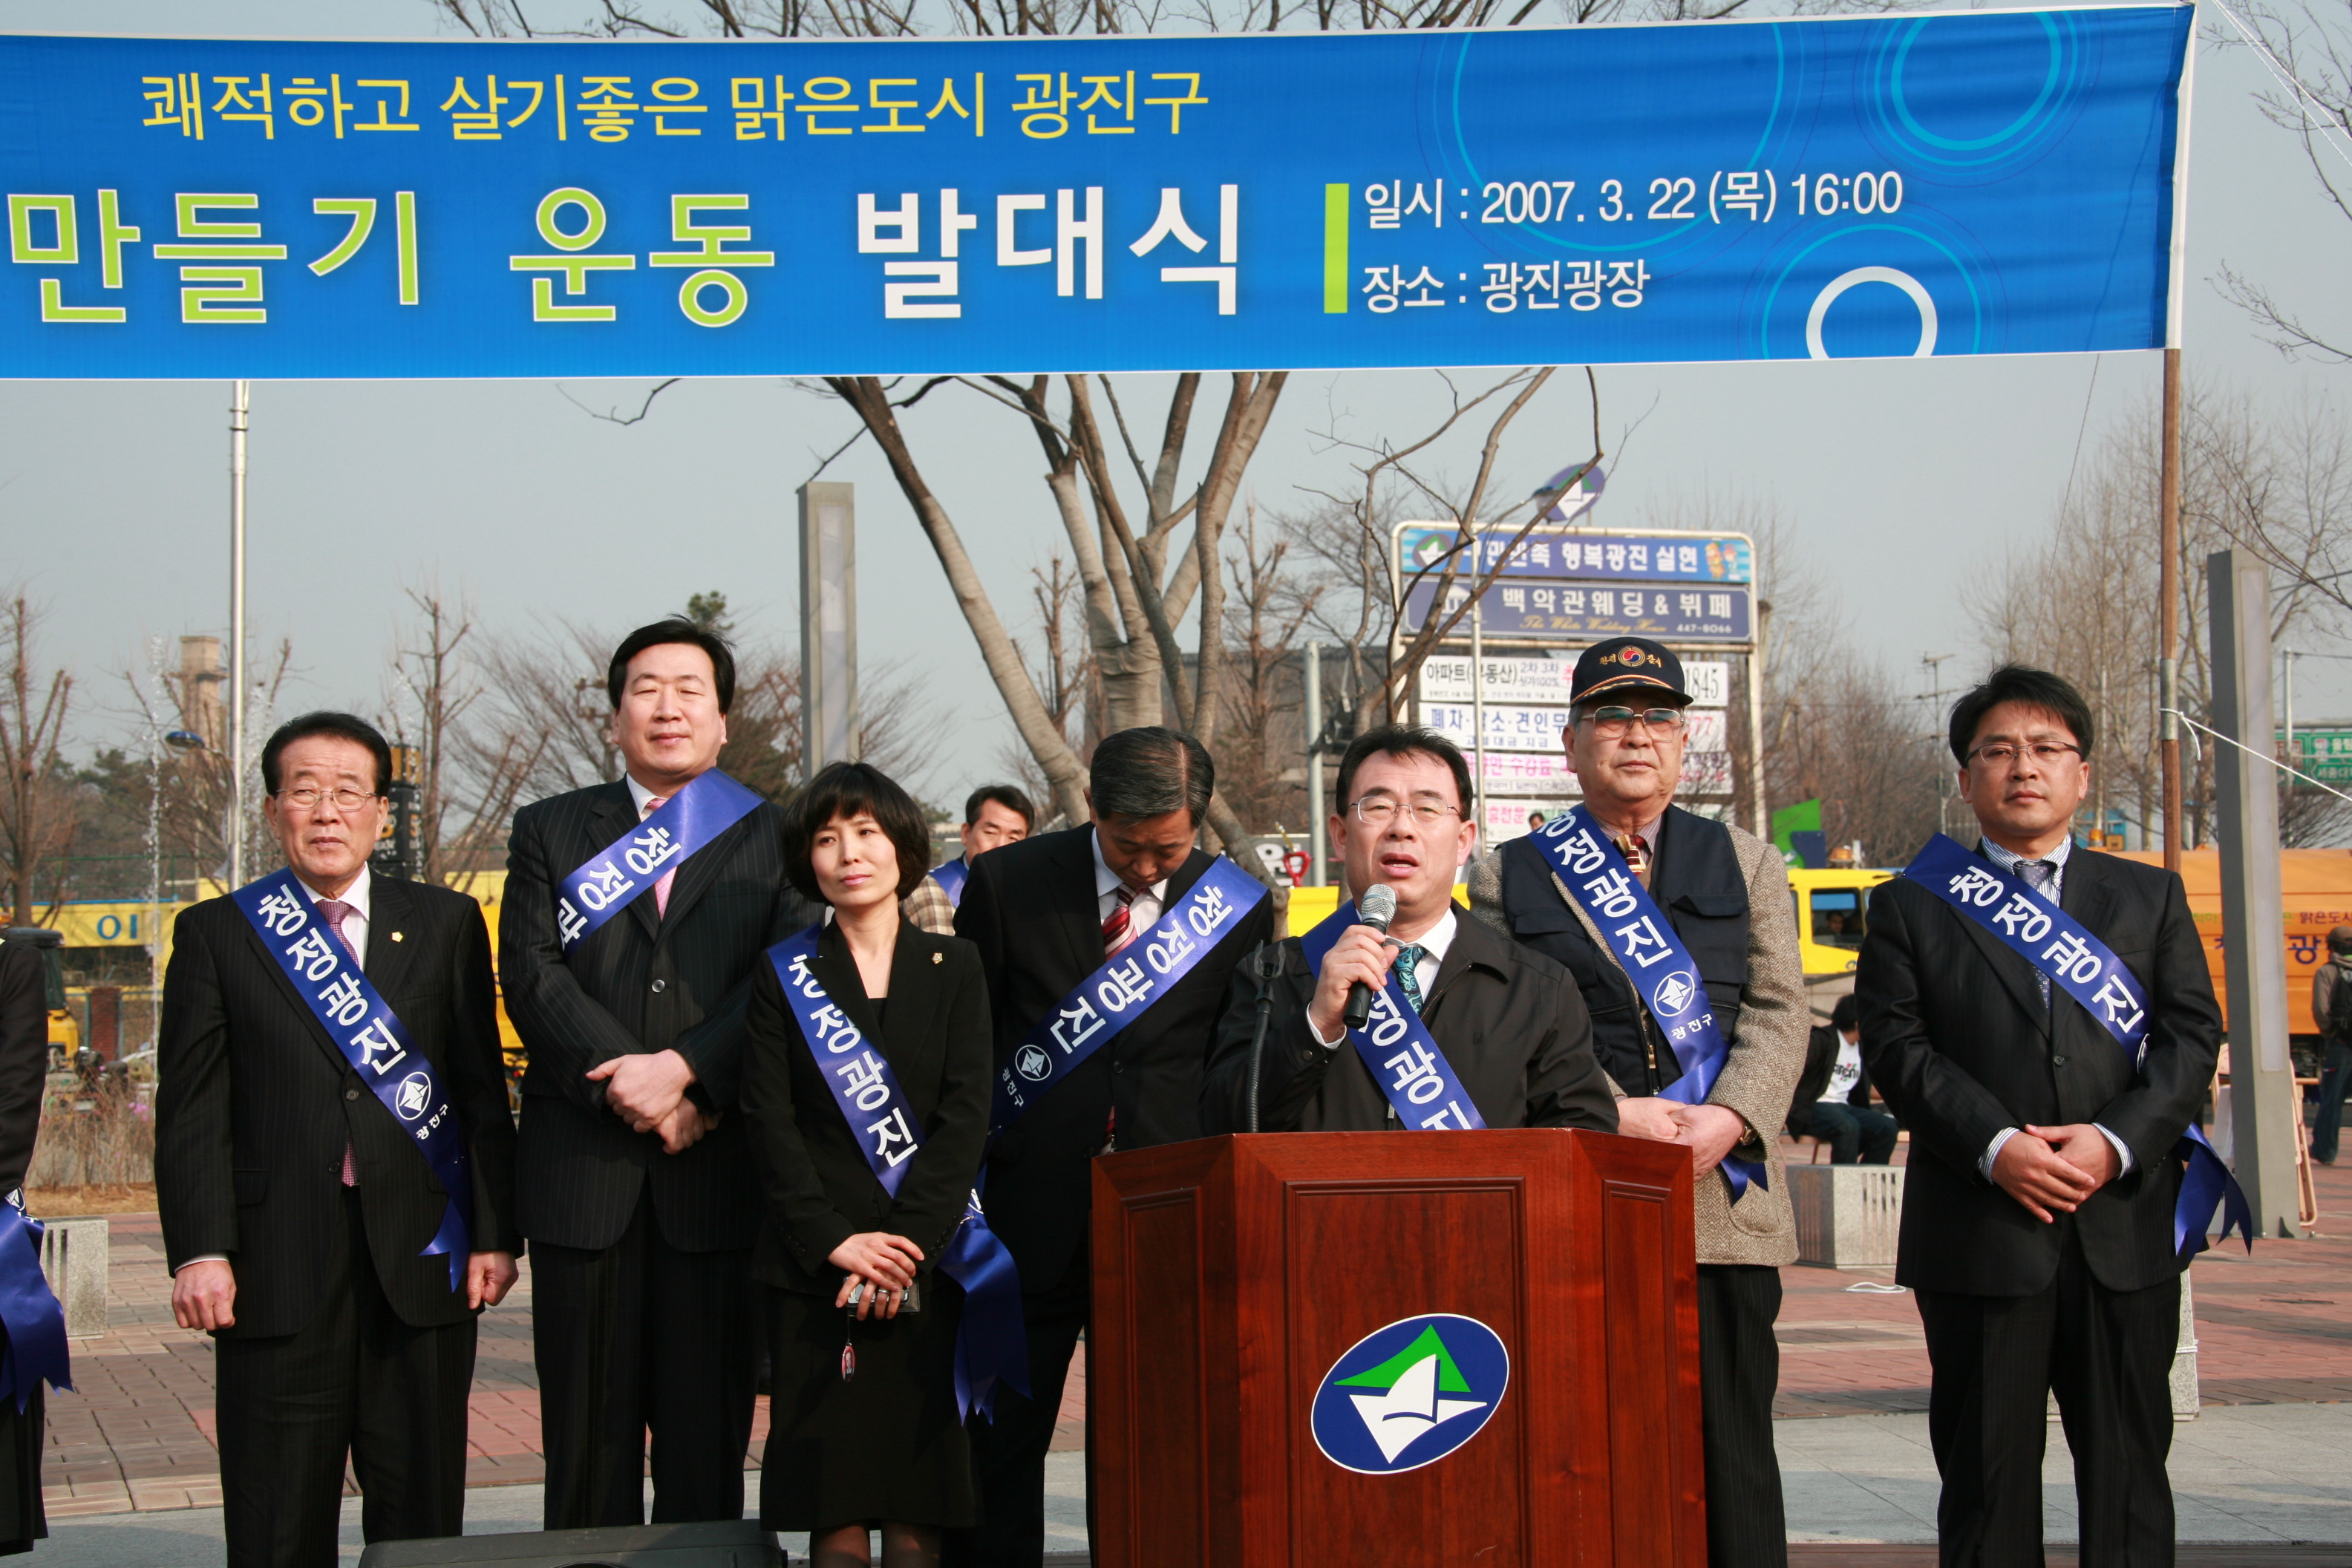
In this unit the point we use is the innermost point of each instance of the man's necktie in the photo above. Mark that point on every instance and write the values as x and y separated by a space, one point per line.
1637 855
1117 924
1408 973
661 889
2037 874
334 911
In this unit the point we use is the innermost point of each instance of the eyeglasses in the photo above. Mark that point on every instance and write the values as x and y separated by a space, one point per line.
308 799
2001 753
1612 721
1379 810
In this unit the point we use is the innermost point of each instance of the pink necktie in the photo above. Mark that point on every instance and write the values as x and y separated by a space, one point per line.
335 912
661 889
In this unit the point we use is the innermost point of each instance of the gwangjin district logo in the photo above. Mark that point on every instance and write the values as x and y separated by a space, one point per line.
1033 1064
1675 993
1407 1394
415 1094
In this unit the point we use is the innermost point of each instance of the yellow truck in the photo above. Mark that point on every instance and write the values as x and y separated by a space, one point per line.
65 1033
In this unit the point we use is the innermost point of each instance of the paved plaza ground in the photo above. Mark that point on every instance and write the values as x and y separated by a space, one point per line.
132 1476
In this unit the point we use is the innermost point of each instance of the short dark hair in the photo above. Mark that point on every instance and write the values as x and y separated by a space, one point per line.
2054 694
675 628
844 789
1846 1014
1405 740
339 726
1149 770
1005 796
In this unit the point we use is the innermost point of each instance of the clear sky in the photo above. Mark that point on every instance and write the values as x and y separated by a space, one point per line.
1901 478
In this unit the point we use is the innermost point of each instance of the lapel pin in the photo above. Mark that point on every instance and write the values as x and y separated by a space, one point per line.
395 936
939 958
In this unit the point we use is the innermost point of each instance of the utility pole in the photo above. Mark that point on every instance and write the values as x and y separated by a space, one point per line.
2167 590
1318 832
1933 668
240 402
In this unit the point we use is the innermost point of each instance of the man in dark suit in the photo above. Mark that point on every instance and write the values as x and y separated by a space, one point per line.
297 1206
23 1073
1046 912
1510 1022
633 1182
2038 1209
1832 1100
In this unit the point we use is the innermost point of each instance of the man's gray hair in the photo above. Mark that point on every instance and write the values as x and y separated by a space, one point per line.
1150 771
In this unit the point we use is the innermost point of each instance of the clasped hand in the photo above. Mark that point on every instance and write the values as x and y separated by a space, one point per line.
1709 1131
885 1263
2055 1168
648 1092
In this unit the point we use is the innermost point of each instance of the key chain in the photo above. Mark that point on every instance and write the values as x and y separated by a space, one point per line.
848 1335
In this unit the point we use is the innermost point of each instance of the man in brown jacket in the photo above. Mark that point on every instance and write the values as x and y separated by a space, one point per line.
1726 893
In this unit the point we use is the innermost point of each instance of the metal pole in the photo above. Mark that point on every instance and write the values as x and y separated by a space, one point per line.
1317 834
1759 810
240 400
2167 591
1477 677
2288 655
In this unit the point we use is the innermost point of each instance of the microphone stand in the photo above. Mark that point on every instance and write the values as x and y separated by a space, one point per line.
1266 962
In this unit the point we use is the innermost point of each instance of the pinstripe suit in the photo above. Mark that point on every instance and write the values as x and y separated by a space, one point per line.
643 1311
253 1108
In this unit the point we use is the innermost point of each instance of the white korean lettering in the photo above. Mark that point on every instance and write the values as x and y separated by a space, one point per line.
379 1052
893 1139
312 956
1122 987
1209 911
2073 959
283 912
861 1080
571 925
604 886
1163 952
1077 1024
1976 886
2122 1009
2025 918
834 1032
1640 942
1612 894
649 849
342 1000
1414 1075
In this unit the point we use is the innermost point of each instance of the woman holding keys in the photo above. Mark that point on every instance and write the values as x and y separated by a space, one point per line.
866 1090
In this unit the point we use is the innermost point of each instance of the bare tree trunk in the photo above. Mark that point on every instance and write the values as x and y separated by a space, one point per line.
35 813
1064 772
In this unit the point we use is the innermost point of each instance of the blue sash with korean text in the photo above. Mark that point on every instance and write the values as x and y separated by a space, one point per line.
952 878
2061 949
992 1341
371 1039
1127 984
35 1324
1396 1047
1653 957
607 880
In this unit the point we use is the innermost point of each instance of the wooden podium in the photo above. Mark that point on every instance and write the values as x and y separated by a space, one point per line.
1232 1274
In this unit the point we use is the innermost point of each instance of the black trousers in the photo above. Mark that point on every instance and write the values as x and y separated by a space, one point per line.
354 1379
2107 1355
640 1336
22 1434
1008 1455
1739 1373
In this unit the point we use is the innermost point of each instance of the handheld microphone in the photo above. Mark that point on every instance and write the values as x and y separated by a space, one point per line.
1375 909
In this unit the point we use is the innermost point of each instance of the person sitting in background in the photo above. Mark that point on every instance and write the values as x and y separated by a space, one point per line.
2331 1009
993 814
864 1430
1832 1100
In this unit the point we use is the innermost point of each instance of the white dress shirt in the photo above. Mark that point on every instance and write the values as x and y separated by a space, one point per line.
1432 943
1147 906
2009 861
643 796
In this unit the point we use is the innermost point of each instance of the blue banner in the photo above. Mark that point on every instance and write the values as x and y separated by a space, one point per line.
1586 556
35 1324
1651 952
1118 993
627 868
369 1036
2065 953
1396 1047
992 1340
1961 183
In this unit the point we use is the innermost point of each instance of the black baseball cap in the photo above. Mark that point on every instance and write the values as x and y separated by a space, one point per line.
1632 666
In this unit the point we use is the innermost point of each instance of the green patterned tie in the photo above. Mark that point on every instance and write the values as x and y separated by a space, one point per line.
1408 973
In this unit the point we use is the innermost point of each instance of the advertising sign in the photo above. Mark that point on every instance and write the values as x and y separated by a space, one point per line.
1594 557
1579 613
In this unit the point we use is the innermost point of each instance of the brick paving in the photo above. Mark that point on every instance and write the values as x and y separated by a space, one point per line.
138 1432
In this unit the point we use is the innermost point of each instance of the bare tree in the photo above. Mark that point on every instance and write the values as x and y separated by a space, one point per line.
37 819
458 752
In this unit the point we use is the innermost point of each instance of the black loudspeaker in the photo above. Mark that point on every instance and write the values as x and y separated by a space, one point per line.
723 1543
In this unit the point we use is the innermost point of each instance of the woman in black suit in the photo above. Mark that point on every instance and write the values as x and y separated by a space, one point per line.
24 1072
864 1430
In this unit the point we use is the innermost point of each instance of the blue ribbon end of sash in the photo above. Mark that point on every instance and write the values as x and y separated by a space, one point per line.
453 1240
2206 1184
35 1324
993 1340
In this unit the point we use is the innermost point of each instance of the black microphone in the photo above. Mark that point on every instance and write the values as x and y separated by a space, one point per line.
1375 909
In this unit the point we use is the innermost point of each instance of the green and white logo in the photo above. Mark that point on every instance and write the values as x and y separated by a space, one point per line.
1409 1393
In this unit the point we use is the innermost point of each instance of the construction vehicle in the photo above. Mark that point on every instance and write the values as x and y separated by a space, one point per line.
65 1030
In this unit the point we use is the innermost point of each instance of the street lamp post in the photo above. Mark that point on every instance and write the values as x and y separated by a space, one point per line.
238 403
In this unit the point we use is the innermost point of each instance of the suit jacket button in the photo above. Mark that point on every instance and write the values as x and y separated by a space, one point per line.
350 1094
2057 1061
661 985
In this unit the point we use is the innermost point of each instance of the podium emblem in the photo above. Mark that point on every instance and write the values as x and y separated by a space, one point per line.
1410 1393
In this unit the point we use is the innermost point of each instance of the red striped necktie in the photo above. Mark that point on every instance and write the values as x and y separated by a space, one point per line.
1116 925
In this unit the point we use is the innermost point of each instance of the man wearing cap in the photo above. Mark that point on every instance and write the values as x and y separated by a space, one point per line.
1725 894
2331 1010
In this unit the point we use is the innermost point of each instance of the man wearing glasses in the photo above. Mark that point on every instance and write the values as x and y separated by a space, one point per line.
309 1231
1726 894
2038 1209
1510 1022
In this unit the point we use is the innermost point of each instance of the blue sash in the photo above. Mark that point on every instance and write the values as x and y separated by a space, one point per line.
1396 1047
952 878
1648 949
36 1351
992 1341
2063 949
1118 993
372 1041
607 882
